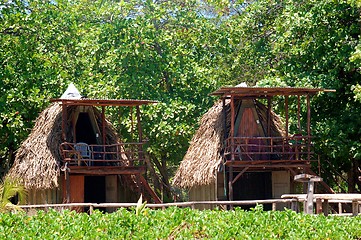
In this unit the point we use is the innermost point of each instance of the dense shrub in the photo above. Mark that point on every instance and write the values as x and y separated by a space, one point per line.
176 223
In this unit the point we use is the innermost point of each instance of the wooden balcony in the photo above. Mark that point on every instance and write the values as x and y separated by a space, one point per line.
124 158
269 151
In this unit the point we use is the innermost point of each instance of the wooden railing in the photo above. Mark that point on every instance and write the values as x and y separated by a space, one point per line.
269 148
124 154
294 204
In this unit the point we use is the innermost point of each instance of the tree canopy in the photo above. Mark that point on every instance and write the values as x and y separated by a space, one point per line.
177 52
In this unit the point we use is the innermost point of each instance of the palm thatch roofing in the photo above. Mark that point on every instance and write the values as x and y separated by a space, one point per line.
37 161
204 156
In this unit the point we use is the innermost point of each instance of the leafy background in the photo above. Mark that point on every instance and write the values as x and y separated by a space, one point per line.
177 52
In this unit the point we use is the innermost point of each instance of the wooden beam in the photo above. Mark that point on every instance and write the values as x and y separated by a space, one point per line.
106 170
150 190
240 174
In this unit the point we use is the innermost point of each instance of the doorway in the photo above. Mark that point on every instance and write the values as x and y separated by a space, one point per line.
253 186
94 189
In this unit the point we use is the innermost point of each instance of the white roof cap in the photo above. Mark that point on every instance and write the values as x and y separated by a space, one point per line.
71 93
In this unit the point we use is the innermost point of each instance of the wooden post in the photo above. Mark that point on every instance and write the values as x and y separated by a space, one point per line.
225 118
232 134
140 148
274 206
67 180
269 132
355 207
269 108
299 113
325 207
310 192
286 113
310 179
103 131
308 128
294 204
318 205
230 172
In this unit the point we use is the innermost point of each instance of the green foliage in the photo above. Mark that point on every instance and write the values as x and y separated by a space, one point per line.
11 189
176 223
177 52
130 49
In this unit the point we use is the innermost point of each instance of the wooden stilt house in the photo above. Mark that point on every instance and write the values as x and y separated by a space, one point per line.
243 151
73 154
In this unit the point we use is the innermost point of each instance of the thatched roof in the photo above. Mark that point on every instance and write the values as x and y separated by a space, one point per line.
204 156
37 160
201 161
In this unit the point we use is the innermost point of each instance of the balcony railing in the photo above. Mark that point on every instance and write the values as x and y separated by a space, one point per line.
269 148
82 154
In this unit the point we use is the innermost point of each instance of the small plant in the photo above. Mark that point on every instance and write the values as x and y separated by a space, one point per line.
12 193
140 206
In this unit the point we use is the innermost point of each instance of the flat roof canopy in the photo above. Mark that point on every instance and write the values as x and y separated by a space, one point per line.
267 91
103 102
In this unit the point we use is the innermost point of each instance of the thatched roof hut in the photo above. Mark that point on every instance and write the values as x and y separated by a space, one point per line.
204 155
37 161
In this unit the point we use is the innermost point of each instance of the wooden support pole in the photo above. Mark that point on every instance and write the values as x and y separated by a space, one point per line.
230 185
339 208
131 123
139 124
294 204
299 113
224 118
274 206
232 133
103 131
140 132
286 113
355 207
308 128
318 205
309 203
67 182
325 207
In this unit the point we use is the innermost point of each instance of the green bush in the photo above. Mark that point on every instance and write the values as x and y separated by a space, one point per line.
176 223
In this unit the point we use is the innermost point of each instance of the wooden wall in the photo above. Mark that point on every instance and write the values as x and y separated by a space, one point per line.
281 184
203 193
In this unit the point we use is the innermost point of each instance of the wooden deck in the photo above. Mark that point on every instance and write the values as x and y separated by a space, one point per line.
107 170
269 151
113 156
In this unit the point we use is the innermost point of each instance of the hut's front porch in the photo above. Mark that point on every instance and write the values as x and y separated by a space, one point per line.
95 159
295 149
